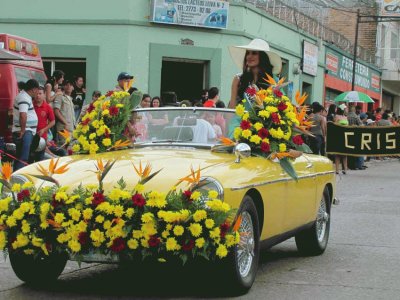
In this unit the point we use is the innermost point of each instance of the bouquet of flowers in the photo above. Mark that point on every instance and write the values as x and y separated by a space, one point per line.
126 222
272 125
102 126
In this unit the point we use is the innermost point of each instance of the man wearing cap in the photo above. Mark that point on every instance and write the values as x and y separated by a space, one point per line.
124 82
24 122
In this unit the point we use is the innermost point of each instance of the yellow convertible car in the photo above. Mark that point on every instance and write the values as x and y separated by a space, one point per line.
273 206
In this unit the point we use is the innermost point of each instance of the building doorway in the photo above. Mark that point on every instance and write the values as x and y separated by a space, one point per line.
307 88
71 67
184 78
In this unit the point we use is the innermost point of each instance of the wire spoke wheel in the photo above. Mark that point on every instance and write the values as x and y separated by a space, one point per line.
245 251
322 220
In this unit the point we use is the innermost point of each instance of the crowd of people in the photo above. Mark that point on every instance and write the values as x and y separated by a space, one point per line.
343 114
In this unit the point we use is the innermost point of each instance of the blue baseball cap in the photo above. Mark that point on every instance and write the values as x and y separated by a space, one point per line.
124 75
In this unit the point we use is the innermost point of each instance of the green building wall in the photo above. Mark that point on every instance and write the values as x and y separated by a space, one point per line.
115 36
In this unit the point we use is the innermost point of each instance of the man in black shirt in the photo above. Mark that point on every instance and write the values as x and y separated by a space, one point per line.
78 95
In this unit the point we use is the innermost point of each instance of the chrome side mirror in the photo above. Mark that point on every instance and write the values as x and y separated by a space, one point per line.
242 150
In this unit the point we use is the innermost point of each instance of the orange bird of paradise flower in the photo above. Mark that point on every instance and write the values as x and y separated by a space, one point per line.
52 169
280 155
6 171
120 144
143 173
271 81
300 99
65 134
227 141
192 178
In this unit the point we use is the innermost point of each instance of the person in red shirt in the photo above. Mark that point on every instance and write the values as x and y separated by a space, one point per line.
213 96
45 117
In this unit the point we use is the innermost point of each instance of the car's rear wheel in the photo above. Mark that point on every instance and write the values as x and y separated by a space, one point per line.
242 262
314 240
38 270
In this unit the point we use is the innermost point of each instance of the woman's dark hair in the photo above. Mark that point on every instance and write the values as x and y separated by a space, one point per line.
156 98
332 109
57 75
145 96
339 111
264 67
96 93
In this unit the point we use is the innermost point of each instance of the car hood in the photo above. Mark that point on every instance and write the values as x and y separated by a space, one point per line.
174 163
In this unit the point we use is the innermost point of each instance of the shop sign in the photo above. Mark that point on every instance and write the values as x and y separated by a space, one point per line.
198 13
390 8
341 67
310 58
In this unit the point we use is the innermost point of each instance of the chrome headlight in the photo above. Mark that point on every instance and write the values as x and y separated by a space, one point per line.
17 178
207 184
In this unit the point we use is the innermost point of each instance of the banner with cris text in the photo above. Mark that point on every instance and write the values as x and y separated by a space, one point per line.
363 140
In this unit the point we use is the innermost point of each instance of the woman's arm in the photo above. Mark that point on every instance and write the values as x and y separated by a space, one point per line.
234 92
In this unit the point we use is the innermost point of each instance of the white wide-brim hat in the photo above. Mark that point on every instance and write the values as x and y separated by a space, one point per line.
238 53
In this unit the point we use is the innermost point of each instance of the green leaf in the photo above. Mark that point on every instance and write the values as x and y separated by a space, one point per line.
107 169
184 258
148 178
121 183
303 148
45 178
288 168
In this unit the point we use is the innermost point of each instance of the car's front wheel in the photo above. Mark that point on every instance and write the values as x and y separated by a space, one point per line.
314 240
37 270
243 259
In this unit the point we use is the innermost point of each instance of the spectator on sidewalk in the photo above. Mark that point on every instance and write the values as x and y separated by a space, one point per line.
124 82
318 129
78 95
213 96
64 112
45 117
53 86
25 122
357 162
341 119
384 121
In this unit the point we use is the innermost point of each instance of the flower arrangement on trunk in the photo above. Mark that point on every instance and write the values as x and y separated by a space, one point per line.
126 221
273 125
101 128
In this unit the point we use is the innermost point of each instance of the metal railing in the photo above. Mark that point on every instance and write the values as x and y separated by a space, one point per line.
284 11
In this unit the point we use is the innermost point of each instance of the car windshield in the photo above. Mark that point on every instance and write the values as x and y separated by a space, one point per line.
183 125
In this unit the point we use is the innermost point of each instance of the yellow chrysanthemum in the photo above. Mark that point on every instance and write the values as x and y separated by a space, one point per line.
200 242
172 244
258 126
255 139
59 218
133 244
195 229
87 213
147 217
282 147
199 215
178 230
74 245
246 133
240 110
3 240
195 195
209 223
221 251
106 142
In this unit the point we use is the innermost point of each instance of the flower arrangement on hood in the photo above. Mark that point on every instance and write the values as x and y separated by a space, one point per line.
101 128
272 125
126 221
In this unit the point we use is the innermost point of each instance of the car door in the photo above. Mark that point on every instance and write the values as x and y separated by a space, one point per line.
300 202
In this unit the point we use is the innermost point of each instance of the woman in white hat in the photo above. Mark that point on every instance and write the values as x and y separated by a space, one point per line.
255 60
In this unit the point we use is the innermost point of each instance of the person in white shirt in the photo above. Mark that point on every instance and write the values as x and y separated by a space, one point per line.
24 122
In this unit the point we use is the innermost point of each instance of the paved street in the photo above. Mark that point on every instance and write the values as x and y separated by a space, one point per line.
362 260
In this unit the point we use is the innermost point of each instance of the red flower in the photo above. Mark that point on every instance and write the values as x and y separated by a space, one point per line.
83 238
49 247
106 133
265 147
188 246
187 194
263 133
251 91
298 140
23 194
282 106
224 229
275 118
278 93
113 110
138 200
245 125
118 245
86 121
154 241
90 108
109 93
98 198
54 202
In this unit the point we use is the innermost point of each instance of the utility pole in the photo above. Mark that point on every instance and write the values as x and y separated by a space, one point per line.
355 51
